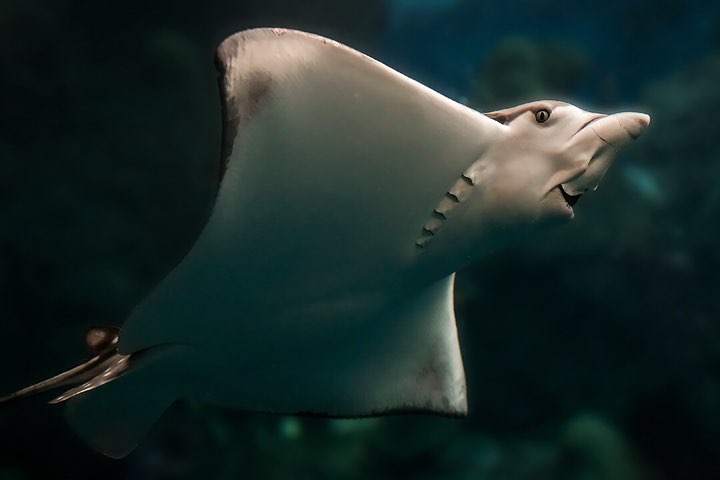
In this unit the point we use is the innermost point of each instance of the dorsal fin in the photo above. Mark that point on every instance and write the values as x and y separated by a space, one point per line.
99 339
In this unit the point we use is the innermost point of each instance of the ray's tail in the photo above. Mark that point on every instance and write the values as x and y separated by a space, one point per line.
137 389
105 366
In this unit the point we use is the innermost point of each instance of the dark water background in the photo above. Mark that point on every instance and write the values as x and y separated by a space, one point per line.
592 352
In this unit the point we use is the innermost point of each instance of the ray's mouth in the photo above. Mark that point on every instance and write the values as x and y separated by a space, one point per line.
571 200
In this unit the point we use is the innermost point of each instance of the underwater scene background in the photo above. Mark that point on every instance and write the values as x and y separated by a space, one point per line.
592 352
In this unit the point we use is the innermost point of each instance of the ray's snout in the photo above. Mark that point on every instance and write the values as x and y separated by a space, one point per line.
633 123
613 131
620 128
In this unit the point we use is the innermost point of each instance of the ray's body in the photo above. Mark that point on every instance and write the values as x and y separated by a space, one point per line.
323 280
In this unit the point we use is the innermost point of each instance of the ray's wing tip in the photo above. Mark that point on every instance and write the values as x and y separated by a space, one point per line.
224 52
228 48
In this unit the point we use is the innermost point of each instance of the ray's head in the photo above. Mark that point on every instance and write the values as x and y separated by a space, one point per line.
544 156
551 153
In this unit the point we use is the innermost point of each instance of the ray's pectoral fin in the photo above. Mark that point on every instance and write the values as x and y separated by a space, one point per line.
427 361
102 342
406 361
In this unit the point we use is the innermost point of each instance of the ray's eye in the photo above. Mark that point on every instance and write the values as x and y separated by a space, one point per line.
542 115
